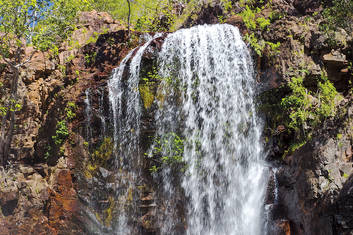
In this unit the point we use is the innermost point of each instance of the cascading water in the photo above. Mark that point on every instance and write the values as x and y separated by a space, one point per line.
126 108
88 115
206 107
226 177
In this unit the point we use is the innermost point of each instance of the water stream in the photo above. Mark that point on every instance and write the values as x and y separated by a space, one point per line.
226 178
207 115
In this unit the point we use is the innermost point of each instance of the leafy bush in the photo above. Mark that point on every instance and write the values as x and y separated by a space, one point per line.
70 111
249 17
255 23
146 15
297 104
61 133
307 109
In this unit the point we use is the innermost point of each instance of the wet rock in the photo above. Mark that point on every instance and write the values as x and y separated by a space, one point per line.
314 183
104 172
335 59
307 6
8 202
281 227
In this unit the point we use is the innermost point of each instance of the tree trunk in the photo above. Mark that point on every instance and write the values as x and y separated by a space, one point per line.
128 18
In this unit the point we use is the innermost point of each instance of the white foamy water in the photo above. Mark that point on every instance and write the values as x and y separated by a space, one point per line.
226 178
208 88
126 108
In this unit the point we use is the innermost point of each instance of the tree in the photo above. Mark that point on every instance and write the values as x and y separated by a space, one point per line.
142 15
128 18
42 23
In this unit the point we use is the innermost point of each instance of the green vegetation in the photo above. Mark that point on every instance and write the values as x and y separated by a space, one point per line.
255 23
148 86
90 58
146 15
338 13
305 108
166 150
70 111
298 110
40 23
99 157
61 133
107 214
147 95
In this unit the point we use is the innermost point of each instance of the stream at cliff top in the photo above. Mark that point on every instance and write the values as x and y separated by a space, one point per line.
206 120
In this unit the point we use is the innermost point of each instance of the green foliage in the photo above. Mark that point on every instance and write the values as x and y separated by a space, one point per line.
14 106
45 24
273 47
17 18
262 22
227 5
305 108
61 133
294 146
146 15
69 58
100 157
254 23
104 151
249 17
70 111
94 38
297 104
58 22
147 95
155 21
168 149
327 98
90 58
298 110
257 45
339 13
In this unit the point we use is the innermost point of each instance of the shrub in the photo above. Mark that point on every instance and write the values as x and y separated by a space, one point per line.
307 109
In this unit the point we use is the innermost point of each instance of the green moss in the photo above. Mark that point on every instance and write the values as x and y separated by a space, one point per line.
99 157
129 197
108 213
146 95
293 147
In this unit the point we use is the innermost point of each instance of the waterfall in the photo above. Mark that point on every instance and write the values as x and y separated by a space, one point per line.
207 133
88 116
126 109
225 180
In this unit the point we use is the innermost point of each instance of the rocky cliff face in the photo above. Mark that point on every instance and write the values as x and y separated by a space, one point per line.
39 191
48 188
